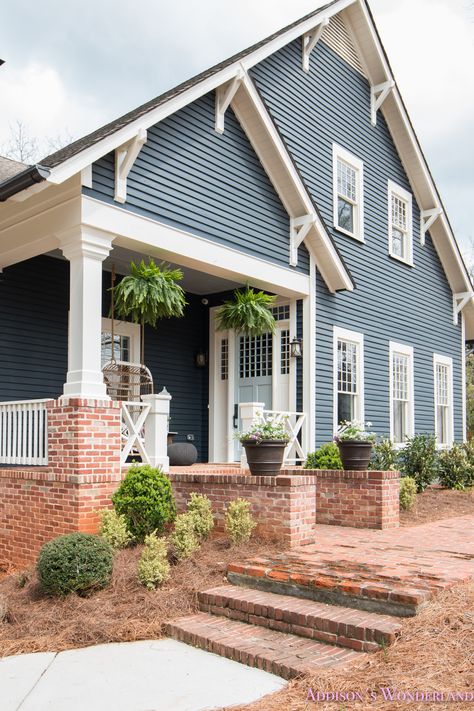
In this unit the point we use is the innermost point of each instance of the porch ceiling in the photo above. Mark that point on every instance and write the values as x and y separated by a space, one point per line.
194 281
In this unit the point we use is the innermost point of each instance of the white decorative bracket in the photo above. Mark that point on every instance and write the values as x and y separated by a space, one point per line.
299 228
378 94
459 302
310 40
224 96
427 217
125 157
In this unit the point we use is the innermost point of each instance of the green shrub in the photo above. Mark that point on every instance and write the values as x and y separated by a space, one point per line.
153 566
113 527
201 509
239 522
408 491
145 499
469 450
184 538
76 562
384 456
419 460
326 457
455 470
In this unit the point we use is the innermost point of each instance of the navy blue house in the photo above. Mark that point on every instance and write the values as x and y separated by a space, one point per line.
292 166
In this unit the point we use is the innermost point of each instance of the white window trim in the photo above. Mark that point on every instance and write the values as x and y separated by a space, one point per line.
341 153
404 350
394 189
125 328
343 334
444 360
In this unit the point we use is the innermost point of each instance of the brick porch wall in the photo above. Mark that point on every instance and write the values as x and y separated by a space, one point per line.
39 503
283 506
366 499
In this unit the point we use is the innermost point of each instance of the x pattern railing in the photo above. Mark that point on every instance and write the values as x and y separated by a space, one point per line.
294 422
134 415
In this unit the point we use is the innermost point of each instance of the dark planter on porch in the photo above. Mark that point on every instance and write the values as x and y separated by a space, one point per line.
355 454
265 458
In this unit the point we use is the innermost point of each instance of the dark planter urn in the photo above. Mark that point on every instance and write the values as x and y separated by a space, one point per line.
355 454
182 454
265 458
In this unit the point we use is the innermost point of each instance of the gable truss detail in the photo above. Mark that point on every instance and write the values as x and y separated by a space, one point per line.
427 218
299 228
310 40
459 302
224 96
125 157
378 94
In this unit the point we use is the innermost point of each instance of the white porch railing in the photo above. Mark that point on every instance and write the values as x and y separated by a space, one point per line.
24 432
145 429
294 422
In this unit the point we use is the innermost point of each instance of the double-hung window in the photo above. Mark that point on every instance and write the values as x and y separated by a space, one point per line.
348 193
443 391
348 376
402 418
400 233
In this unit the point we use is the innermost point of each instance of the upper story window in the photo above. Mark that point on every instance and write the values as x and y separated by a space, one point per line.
348 193
402 412
400 238
443 391
348 376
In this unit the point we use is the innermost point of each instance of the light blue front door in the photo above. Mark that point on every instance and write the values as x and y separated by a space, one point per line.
253 377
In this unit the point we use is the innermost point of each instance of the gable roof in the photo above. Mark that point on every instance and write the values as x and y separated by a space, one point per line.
72 149
68 161
10 168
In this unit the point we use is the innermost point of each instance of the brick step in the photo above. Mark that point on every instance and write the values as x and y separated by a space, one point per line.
286 655
341 626
352 587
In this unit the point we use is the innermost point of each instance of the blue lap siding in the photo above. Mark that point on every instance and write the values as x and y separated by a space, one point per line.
392 301
190 177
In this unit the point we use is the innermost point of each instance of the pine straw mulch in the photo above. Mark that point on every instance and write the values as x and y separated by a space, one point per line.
434 653
436 503
123 612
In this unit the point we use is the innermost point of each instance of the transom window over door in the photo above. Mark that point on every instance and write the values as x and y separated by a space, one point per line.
348 376
400 223
401 393
443 386
348 193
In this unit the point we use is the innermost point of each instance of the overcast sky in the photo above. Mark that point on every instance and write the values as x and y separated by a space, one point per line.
71 67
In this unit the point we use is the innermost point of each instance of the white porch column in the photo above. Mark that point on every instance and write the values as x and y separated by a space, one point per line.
156 429
86 249
249 411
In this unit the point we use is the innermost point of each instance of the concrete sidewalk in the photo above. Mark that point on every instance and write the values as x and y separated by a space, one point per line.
162 675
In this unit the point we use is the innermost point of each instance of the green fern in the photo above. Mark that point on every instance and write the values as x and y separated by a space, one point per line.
248 313
150 292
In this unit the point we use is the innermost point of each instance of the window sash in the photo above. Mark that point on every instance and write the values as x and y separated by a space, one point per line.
401 364
443 402
348 368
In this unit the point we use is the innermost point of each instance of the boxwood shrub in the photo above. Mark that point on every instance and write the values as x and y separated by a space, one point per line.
145 499
326 457
77 562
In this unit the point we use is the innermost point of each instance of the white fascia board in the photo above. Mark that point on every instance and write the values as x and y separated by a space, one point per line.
110 143
178 246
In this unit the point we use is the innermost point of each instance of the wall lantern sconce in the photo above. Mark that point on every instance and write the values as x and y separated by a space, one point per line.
200 360
296 348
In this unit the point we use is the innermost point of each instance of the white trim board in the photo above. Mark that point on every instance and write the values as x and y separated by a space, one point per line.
169 243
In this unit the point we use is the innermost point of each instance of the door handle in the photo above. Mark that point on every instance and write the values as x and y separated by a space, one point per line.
235 418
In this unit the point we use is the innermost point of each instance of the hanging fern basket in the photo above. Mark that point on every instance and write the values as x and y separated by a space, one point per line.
248 313
150 292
